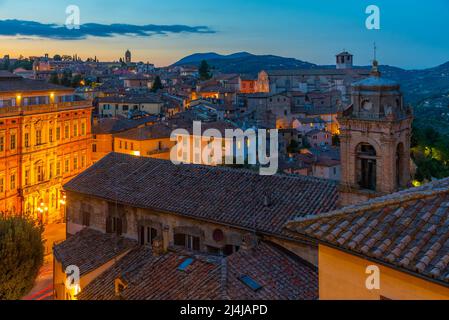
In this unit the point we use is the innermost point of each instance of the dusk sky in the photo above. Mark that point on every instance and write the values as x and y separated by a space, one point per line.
413 33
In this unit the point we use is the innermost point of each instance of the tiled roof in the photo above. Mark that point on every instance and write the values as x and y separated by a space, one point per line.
208 277
12 82
408 230
119 124
223 195
156 131
90 249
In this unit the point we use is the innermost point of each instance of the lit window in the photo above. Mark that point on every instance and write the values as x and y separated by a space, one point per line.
13 142
12 182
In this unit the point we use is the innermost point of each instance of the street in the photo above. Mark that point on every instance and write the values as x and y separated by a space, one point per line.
43 287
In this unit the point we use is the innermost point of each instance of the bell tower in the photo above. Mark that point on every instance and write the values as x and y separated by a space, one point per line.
375 140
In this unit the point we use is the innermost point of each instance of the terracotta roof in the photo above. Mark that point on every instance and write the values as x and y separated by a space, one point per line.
224 195
12 82
208 277
119 124
156 131
406 230
90 249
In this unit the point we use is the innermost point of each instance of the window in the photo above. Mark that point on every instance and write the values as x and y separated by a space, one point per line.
94 148
27 177
115 225
40 172
147 235
50 171
187 241
120 144
126 145
2 184
2 144
67 131
12 182
75 130
13 142
132 146
50 135
58 133
75 163
83 129
38 137
58 168
125 108
86 218
66 165
83 161
251 283
27 140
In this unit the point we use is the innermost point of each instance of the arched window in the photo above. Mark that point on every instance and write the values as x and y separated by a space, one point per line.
366 166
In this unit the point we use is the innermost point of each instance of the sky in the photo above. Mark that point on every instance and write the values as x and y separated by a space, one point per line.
413 33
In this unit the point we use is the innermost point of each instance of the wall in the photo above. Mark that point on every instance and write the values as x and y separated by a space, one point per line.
342 277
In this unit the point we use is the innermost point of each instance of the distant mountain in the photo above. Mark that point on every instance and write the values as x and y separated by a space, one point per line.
198 57
244 62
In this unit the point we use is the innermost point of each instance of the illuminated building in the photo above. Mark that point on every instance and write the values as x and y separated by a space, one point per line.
45 141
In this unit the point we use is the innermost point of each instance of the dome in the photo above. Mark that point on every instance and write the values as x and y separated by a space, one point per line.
374 81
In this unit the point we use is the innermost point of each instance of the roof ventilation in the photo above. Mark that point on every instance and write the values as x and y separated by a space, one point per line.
251 283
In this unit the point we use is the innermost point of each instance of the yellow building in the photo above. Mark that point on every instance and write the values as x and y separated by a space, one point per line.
45 141
392 248
105 129
126 106
150 141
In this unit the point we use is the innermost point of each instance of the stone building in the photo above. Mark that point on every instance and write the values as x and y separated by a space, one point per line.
375 140
45 140
314 79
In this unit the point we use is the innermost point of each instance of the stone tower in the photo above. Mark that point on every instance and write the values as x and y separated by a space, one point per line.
128 57
344 60
375 140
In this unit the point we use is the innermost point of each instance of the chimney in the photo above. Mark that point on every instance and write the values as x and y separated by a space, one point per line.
249 241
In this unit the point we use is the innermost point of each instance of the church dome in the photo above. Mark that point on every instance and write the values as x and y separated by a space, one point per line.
375 81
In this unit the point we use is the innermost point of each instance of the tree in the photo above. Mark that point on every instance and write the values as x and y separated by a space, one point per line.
21 255
57 57
54 78
76 81
66 79
204 71
293 147
157 85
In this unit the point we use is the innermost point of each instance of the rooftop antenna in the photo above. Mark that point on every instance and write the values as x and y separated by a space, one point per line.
375 51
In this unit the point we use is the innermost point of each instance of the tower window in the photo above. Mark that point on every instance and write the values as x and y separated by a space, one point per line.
366 167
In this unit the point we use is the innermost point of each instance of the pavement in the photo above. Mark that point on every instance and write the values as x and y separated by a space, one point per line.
43 286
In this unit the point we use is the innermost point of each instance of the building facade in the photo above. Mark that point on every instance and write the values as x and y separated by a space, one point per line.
45 141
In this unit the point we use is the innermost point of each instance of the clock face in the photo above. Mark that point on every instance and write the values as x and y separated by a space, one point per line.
367 105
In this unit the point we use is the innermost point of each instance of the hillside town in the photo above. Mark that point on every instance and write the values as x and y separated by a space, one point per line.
88 146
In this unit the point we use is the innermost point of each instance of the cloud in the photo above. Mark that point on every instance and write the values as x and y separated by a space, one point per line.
23 28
